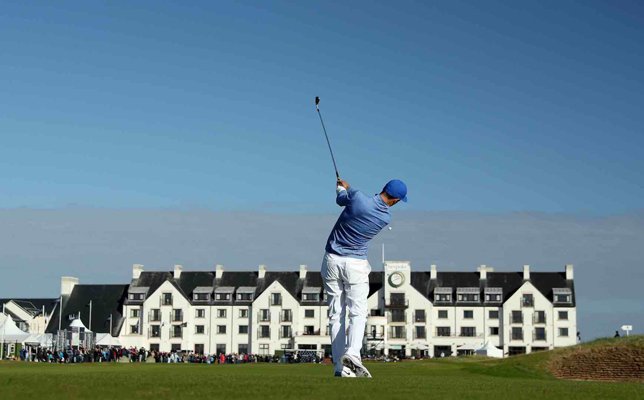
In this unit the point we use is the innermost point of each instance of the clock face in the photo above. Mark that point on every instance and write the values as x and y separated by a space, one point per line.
396 279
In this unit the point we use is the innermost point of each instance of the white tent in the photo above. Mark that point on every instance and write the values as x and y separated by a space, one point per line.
39 339
105 339
490 350
78 324
9 332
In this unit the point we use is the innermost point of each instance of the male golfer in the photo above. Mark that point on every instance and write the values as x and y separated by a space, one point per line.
345 269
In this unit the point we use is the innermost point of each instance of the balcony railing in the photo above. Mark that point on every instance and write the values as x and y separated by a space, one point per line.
396 319
264 317
527 302
539 319
438 333
420 335
420 319
285 335
177 317
154 318
536 337
276 302
178 334
516 319
315 332
402 334
264 333
396 303
517 335
286 318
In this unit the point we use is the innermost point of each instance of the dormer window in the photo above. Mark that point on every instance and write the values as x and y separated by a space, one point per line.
245 296
311 293
222 296
493 295
246 293
224 293
468 294
137 296
202 296
562 295
443 294
311 297
137 293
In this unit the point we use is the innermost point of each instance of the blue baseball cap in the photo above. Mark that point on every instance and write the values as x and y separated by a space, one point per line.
396 189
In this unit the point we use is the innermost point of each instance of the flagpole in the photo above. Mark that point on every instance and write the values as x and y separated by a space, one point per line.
110 325
60 312
2 341
90 315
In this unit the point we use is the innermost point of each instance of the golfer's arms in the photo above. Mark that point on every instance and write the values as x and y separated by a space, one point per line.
342 191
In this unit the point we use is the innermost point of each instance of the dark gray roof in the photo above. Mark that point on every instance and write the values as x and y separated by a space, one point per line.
106 300
33 306
509 282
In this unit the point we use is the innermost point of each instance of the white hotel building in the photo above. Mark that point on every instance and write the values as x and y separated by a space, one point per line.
411 313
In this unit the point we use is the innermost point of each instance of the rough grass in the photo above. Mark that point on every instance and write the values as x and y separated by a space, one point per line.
457 378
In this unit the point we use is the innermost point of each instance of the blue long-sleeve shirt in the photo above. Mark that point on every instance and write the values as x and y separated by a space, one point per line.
362 219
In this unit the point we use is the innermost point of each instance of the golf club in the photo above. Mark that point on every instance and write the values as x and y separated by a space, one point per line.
317 107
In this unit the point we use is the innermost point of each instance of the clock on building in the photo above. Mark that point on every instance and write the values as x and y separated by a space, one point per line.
396 279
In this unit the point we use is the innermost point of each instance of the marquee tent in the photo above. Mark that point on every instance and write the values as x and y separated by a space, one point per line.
490 350
105 339
10 333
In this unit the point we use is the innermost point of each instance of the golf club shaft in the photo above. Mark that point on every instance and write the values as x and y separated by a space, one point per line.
329 144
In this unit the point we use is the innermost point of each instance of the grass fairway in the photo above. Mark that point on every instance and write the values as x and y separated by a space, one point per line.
462 378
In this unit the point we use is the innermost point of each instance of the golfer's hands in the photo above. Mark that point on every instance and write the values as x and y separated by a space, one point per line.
342 183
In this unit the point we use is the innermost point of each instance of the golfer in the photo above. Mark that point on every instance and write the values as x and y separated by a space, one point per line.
345 269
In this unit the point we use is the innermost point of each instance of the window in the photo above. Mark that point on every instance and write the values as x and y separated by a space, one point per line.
493 314
135 312
243 329
468 314
442 314
166 299
200 313
221 329
287 316
563 332
155 315
284 346
276 299
516 317
517 334
494 331
443 331
176 331
221 313
264 331
154 347
221 349
264 315
285 331
263 349
468 297
200 329
309 313
155 331
420 332
176 347
443 297
311 297
243 313
375 312
222 296
242 349
539 317
199 348
539 333
562 298
245 297
398 332
177 315
563 315
419 316
398 316
493 298
309 330
134 329
202 296
527 300
468 331
136 296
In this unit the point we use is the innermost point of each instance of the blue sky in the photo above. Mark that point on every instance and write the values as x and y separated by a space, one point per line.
489 106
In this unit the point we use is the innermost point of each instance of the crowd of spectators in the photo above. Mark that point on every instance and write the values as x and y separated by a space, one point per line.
134 355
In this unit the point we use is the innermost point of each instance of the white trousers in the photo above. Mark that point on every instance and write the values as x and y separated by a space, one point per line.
346 281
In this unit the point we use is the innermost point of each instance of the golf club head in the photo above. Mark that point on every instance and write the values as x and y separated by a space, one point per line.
317 100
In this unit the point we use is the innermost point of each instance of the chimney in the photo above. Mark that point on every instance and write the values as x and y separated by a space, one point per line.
483 272
262 271
67 284
526 272
136 270
177 271
303 269
432 273
569 275
219 271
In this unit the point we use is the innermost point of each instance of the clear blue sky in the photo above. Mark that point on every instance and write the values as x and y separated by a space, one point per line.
477 106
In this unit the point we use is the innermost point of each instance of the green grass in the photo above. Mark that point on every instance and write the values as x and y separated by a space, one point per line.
458 378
